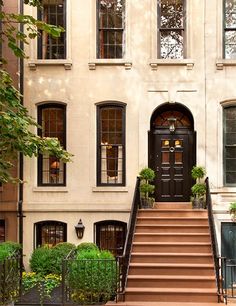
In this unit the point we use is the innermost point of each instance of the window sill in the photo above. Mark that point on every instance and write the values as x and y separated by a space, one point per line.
110 189
110 62
189 63
61 62
221 63
224 190
50 189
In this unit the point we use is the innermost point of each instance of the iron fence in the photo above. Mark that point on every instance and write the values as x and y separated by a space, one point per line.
10 279
90 281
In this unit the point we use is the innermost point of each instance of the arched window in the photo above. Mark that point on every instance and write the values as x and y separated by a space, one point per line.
229 138
50 232
111 145
52 119
110 235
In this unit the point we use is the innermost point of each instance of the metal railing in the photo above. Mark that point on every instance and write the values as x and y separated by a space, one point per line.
89 281
125 258
229 271
10 279
219 262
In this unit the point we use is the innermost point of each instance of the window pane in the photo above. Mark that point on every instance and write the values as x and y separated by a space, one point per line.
230 13
50 232
172 14
171 44
111 145
230 44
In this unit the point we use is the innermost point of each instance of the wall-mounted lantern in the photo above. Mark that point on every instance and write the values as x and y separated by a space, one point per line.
172 121
79 229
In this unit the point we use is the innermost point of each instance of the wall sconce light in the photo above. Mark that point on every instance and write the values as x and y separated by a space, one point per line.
79 229
172 124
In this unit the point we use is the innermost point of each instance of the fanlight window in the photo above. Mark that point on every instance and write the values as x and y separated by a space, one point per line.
180 120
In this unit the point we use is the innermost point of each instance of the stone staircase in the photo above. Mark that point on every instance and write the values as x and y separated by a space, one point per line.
171 260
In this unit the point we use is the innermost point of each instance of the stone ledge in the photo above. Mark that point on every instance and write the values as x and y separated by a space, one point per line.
32 64
154 63
109 62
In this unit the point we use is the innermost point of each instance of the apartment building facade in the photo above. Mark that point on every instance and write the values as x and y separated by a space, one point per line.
127 85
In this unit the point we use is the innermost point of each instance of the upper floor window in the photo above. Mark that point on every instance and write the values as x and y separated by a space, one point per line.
52 118
171 28
52 12
111 145
230 29
111 28
50 233
229 146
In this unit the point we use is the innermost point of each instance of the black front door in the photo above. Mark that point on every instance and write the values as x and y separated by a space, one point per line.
172 160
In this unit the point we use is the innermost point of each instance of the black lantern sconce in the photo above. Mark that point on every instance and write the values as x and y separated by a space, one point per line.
172 124
79 229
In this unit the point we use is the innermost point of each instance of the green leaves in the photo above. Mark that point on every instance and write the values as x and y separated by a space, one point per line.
16 132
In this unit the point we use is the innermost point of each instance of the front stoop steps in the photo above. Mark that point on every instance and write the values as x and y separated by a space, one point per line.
171 260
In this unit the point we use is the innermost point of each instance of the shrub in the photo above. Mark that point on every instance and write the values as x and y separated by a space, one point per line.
46 260
8 248
93 277
198 190
40 261
87 246
58 253
198 172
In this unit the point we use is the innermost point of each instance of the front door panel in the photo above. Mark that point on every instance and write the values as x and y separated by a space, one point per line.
172 164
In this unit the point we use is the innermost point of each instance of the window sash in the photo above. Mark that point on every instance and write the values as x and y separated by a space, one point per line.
110 153
49 47
50 232
110 37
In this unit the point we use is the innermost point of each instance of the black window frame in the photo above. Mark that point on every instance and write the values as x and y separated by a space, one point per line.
40 157
3 224
225 146
109 30
39 40
106 223
38 230
164 29
99 155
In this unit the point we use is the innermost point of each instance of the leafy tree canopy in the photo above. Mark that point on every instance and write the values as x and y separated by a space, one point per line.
16 125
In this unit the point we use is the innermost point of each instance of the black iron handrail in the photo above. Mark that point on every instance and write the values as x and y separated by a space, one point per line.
218 261
129 237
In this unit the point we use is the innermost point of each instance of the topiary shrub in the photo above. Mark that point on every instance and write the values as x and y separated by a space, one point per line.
48 260
40 261
87 246
93 277
8 248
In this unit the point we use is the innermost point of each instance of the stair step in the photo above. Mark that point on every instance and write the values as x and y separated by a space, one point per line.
167 228
171 257
175 205
171 281
173 220
170 269
161 304
171 294
172 213
171 237
173 247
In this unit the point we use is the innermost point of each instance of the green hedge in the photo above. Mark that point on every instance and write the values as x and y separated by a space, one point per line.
48 260
93 277
8 248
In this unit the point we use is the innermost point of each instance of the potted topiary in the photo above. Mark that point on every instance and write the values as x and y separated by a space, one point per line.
232 211
147 175
198 189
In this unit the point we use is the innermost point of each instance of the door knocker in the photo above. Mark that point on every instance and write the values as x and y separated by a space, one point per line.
172 149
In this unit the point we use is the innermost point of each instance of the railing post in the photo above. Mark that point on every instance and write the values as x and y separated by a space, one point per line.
63 280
